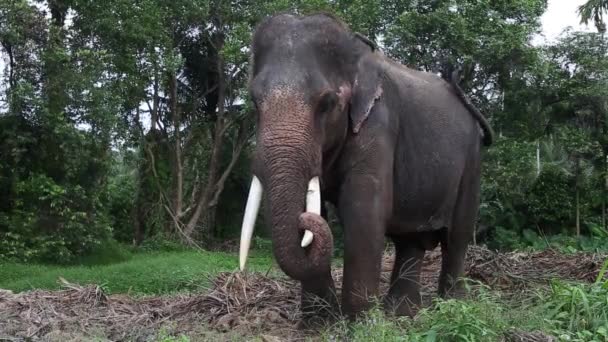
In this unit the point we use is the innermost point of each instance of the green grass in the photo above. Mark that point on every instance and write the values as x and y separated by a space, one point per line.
483 317
575 312
568 311
135 273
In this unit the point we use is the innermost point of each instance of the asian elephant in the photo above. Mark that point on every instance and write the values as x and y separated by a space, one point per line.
396 150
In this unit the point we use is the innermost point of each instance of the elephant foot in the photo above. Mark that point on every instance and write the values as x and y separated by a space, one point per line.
316 322
452 289
400 306
319 303
318 313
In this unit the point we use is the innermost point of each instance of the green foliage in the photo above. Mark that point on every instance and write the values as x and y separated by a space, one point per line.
50 222
517 197
55 138
164 336
374 325
162 243
488 39
508 173
89 132
505 239
484 317
579 312
550 199
107 252
572 312
594 10
453 320
120 199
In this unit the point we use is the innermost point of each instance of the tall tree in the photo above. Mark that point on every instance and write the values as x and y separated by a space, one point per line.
594 10
487 40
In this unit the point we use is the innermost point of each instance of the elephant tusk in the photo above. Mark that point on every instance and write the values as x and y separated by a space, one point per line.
307 239
251 212
313 196
313 205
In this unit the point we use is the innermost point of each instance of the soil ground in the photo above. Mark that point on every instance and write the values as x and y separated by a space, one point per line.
247 305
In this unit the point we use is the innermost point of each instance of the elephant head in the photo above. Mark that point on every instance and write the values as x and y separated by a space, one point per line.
312 87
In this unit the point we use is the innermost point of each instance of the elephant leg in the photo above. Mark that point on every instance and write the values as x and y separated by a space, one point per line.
403 297
364 204
319 301
453 252
455 240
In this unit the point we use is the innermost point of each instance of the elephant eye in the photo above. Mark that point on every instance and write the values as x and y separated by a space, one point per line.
327 102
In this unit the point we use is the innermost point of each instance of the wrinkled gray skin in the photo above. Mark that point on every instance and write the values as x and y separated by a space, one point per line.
397 152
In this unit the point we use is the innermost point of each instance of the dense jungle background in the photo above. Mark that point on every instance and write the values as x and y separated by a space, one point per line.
129 121
126 128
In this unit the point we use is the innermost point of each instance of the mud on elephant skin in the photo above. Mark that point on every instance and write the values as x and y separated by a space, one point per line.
396 150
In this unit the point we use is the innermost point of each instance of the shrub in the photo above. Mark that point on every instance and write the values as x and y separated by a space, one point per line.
51 222
162 243
550 199
120 200
505 239
579 312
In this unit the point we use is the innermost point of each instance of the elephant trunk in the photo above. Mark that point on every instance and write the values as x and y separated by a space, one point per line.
288 164
302 240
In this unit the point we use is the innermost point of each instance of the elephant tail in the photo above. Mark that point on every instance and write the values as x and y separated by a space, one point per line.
488 133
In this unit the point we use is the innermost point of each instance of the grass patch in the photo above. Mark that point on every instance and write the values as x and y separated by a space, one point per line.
483 317
579 312
140 273
109 252
567 311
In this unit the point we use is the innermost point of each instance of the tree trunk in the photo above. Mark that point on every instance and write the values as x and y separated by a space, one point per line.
605 190
578 214
177 169
207 190
11 77
209 234
154 109
55 64
11 65
577 190
214 160
538 158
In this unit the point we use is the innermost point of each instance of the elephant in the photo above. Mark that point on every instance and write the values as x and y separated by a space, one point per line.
397 151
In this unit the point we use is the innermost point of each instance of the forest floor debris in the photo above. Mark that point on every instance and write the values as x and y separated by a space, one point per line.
250 304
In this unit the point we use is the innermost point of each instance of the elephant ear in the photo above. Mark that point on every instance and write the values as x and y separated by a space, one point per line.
367 89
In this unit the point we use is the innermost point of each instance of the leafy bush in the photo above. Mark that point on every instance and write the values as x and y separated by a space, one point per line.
550 199
508 173
505 239
50 222
52 179
579 312
162 243
106 252
516 199
120 199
